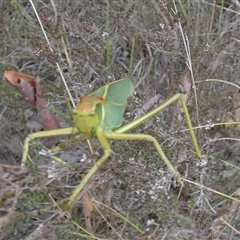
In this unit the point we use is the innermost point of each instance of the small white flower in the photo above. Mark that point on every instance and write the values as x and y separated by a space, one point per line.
104 34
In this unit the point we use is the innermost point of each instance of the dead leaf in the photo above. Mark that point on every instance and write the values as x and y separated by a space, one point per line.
186 86
25 84
29 88
46 117
88 208
4 221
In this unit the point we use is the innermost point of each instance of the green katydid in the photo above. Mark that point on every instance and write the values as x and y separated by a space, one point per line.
99 113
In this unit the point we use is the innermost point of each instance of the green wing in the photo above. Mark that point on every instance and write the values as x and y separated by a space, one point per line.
115 97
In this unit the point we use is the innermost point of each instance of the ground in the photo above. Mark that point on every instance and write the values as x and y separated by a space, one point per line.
164 47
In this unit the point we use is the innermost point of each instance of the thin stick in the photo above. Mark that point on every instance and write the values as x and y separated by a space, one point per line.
108 42
49 45
189 63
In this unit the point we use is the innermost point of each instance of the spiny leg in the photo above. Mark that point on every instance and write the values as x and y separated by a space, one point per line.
140 120
107 152
43 134
146 137
85 180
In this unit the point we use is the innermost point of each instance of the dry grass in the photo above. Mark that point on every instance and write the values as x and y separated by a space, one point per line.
133 183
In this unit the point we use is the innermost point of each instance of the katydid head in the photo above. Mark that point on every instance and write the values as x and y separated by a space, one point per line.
87 114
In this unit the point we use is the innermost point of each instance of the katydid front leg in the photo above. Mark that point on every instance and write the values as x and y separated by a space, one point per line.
107 152
43 134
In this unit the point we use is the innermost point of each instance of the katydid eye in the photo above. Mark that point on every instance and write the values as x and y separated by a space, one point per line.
74 112
92 113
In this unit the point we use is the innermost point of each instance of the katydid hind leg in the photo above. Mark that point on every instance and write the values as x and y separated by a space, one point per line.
177 97
149 138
